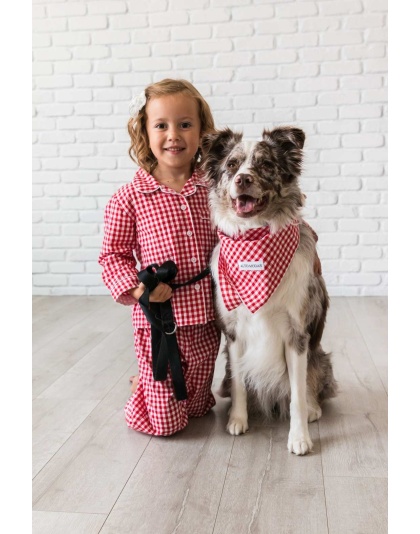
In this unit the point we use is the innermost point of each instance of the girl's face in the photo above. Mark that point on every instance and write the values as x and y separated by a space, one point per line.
173 127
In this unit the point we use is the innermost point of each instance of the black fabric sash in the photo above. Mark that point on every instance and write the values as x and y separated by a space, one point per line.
160 316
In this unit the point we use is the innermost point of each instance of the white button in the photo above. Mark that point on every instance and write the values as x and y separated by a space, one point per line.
189 233
193 260
183 207
197 287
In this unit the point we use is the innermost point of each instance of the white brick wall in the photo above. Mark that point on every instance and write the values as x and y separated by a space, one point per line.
320 65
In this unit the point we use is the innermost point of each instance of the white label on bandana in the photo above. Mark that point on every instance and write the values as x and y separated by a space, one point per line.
251 265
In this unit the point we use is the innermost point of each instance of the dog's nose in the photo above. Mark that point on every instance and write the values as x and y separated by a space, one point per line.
243 180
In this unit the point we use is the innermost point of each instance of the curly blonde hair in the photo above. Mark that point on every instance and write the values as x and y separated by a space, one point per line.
139 150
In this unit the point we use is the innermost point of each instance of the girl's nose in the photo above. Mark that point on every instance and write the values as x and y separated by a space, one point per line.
173 134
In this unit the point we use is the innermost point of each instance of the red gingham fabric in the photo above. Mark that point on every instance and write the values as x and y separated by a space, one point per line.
274 252
153 409
159 224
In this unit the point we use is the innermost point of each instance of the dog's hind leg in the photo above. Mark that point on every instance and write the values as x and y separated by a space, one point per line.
238 415
299 441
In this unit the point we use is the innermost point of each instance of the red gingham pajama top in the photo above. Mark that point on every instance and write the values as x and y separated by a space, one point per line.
156 224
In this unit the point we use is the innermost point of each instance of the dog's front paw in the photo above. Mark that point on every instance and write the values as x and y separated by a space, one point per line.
299 443
314 413
237 425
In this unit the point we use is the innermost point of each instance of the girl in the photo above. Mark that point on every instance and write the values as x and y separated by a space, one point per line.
163 215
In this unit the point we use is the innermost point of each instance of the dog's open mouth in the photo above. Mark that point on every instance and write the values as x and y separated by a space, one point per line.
247 206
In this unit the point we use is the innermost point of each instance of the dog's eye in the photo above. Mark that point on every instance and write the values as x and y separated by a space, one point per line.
267 165
232 164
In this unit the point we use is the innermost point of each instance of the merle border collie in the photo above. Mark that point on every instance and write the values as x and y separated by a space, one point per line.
271 305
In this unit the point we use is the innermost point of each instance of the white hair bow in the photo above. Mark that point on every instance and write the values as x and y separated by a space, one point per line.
136 104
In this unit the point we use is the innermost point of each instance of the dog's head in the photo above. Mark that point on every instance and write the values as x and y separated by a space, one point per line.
254 183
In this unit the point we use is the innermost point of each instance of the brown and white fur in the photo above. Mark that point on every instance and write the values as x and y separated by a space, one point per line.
274 355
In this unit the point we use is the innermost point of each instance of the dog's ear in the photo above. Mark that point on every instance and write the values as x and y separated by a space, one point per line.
287 142
287 137
215 147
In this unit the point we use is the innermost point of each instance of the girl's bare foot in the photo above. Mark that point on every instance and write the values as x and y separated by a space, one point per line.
134 381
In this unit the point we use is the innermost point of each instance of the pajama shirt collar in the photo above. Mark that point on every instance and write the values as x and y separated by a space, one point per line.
146 183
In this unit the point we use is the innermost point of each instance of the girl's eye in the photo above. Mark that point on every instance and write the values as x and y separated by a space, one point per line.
160 126
185 125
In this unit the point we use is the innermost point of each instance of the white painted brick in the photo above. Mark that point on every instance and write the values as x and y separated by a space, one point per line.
375 125
309 184
252 13
341 126
320 53
361 279
209 15
91 52
172 18
344 7
341 68
52 54
113 149
78 203
321 199
67 10
375 65
151 64
256 73
129 21
61 217
317 113
49 280
53 82
55 110
191 32
328 253
40 40
93 267
193 62
329 83
98 22
295 100
37 242
92 242
57 137
252 102
337 212
322 226
358 225
275 56
367 81
148 6
277 86
341 155
49 25
97 190
113 94
84 280
154 35
45 229
341 266
239 29
210 46
378 154
363 140
361 169
131 51
95 136
321 170
264 42
172 49
298 40
277 115
48 255
219 103
296 9
42 69
363 51
235 88
341 37
71 39
341 184
231 3
376 95
59 163
374 239
214 75
338 98
80 229
39 12
73 67
95 80
277 26
364 21
82 255
192 4
362 197
66 267
376 184
75 123
46 177
110 37
62 190
362 252
233 59
44 204
98 163
79 176
107 7
321 24
374 212
338 239
113 65
92 216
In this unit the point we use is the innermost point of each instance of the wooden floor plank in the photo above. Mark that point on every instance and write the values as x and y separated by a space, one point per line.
66 523
357 505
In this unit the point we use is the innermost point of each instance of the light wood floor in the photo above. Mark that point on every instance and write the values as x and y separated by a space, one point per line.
92 474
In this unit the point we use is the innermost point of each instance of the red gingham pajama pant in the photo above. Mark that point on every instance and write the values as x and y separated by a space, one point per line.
153 408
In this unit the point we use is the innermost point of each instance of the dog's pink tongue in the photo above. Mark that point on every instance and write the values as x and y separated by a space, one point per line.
244 204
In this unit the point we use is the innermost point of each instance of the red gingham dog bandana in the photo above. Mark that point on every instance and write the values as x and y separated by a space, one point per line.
252 265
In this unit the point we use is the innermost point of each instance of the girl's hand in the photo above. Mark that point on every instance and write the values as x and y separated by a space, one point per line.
161 293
